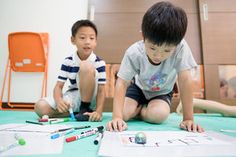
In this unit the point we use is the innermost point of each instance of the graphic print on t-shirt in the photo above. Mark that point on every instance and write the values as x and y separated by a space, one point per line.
155 82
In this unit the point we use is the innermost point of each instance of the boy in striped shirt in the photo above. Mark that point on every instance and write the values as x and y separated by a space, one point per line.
87 76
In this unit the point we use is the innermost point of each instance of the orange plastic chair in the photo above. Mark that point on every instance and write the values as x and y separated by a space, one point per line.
28 52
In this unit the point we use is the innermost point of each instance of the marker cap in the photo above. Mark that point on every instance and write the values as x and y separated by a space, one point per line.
66 119
70 139
100 128
55 136
95 142
43 120
21 141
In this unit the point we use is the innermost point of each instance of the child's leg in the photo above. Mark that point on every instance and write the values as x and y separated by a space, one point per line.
86 81
212 106
131 109
156 111
42 107
133 101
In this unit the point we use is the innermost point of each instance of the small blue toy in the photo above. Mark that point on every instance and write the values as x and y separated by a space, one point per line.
140 138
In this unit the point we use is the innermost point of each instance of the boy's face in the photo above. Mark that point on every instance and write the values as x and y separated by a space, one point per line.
156 54
85 40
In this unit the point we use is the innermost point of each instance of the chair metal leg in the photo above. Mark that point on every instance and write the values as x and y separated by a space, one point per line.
9 89
4 81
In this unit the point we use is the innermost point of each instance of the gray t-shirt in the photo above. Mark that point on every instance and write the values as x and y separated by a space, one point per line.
159 79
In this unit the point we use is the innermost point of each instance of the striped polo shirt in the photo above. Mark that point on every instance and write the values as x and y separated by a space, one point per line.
70 68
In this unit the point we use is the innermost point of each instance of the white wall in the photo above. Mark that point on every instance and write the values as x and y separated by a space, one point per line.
53 16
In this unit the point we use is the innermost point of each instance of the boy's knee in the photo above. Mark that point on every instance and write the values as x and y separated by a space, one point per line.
41 108
126 117
161 117
128 114
156 115
86 68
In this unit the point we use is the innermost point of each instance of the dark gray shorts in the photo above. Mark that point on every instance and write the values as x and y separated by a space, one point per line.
134 92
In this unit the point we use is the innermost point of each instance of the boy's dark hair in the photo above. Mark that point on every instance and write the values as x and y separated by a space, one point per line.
164 23
82 23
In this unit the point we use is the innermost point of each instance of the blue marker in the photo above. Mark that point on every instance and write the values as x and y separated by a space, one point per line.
68 99
72 116
59 134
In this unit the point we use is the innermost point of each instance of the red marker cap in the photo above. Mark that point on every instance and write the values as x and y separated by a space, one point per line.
70 139
43 120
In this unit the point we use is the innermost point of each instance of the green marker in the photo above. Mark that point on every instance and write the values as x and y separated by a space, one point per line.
60 120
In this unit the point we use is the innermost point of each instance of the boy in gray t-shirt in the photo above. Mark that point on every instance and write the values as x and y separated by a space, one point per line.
154 64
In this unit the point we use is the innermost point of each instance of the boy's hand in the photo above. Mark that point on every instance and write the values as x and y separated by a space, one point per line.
62 106
116 124
190 126
94 116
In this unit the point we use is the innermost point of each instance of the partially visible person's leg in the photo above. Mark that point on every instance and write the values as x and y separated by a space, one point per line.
133 99
156 111
211 106
131 109
42 107
86 81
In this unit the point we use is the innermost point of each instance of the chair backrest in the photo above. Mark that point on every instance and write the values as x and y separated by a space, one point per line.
28 51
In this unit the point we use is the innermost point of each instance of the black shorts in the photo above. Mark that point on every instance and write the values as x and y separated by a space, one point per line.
134 92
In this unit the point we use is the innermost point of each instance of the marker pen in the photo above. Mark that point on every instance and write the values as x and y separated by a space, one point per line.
85 134
99 128
76 128
82 127
43 120
32 122
60 120
98 138
19 142
59 134
47 120
82 135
